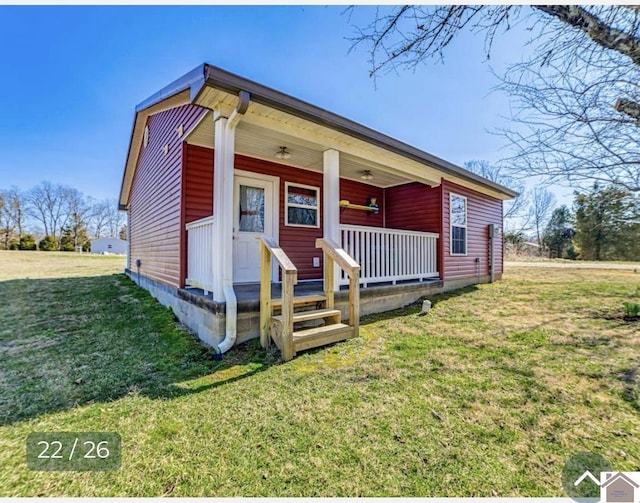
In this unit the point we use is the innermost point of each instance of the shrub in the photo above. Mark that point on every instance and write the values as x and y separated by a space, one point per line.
27 242
48 243
572 253
66 245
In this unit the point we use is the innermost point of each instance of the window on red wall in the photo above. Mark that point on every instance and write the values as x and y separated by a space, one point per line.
302 205
458 219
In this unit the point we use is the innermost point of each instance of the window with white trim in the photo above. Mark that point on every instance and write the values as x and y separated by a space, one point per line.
302 205
458 220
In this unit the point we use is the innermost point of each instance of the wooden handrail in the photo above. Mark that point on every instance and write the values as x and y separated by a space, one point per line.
341 257
269 248
278 253
333 254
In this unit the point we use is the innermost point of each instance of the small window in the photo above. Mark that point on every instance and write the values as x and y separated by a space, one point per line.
109 247
302 205
458 218
251 209
145 136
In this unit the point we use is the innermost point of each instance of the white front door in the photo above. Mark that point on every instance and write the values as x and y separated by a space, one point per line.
253 216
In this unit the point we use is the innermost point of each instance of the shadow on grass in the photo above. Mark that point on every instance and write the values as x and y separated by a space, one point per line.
74 341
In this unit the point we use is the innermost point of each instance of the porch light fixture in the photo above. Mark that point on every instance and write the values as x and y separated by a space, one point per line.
366 175
283 153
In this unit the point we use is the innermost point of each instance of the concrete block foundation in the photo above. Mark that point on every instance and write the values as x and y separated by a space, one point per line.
206 318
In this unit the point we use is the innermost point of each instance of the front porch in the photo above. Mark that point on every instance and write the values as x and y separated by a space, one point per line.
298 316
386 257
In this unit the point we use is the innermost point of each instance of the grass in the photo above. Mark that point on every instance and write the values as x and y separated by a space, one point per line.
489 394
38 265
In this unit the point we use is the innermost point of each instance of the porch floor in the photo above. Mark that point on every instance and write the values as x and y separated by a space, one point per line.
247 292
251 291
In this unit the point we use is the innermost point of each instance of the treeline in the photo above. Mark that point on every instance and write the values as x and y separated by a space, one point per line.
603 224
56 217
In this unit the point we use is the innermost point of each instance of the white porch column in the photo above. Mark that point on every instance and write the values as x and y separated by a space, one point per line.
331 200
331 195
223 204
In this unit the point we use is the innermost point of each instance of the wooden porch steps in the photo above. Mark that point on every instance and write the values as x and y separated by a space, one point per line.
332 314
284 326
307 338
300 300
320 336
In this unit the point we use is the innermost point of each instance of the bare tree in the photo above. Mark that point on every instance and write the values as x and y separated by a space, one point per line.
566 127
78 211
584 60
44 204
12 211
117 220
7 224
52 206
542 204
99 218
16 206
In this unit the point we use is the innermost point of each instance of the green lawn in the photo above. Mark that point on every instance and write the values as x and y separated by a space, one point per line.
487 395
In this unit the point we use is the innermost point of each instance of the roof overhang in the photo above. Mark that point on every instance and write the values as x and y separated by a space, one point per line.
195 88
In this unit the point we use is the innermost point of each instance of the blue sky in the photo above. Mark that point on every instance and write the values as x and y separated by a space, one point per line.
72 76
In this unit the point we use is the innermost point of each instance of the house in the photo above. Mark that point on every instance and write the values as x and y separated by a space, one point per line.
618 488
229 183
109 245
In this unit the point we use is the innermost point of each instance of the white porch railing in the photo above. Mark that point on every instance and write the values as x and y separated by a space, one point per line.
200 254
390 255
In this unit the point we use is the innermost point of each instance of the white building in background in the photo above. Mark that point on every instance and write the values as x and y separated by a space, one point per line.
109 245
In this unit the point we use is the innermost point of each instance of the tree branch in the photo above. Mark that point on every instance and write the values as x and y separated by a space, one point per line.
602 34
627 107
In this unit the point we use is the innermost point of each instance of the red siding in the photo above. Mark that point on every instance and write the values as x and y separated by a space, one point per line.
413 207
297 242
198 182
360 193
482 210
155 210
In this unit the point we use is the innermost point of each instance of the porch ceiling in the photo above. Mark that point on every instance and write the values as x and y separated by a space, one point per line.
262 143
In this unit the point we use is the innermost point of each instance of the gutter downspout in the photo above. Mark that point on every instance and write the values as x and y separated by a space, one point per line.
493 230
231 325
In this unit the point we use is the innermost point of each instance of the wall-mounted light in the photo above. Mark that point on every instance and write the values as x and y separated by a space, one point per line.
283 153
366 175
